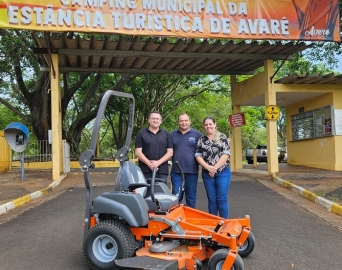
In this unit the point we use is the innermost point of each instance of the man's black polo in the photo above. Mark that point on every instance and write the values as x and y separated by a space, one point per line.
154 146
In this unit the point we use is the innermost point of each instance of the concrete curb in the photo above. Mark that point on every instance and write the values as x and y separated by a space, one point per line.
327 204
6 207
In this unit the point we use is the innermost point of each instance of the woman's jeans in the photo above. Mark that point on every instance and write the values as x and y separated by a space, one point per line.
217 192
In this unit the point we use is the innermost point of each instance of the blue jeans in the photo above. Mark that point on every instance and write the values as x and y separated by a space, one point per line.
190 187
217 192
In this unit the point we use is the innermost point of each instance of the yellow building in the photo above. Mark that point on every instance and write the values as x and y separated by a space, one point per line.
5 153
313 116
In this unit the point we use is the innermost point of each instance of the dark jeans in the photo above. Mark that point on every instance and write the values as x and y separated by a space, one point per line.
217 192
158 175
190 187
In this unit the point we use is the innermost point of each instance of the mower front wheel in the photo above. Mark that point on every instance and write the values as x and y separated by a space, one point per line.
107 241
248 246
216 261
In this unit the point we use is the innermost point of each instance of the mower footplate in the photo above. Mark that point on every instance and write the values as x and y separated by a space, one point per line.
145 262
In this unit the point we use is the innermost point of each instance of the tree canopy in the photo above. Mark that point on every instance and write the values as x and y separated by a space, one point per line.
25 95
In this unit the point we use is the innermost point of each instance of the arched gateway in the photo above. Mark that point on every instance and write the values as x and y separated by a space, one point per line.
215 24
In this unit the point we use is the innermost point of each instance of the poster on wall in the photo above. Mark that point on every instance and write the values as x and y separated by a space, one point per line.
313 20
338 122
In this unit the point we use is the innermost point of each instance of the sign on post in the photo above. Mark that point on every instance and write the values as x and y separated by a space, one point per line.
237 119
272 112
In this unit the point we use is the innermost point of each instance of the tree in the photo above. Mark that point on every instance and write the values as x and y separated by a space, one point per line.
6 117
25 89
81 103
163 93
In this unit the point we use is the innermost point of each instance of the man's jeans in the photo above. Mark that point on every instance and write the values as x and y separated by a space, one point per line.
190 187
217 192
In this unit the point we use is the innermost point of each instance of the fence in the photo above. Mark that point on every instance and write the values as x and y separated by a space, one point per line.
36 155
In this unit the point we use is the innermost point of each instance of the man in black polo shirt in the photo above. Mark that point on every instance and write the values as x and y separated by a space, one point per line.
153 147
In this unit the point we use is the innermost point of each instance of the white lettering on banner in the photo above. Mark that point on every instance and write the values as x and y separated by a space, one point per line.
263 26
26 17
140 21
117 4
196 16
212 9
49 18
64 2
194 6
217 25
80 18
64 17
38 11
233 8
317 32
128 21
197 25
12 12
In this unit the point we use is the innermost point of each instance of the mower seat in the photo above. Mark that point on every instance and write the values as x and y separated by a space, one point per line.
132 178
164 202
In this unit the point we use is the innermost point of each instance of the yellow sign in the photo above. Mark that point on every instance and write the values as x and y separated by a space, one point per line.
272 112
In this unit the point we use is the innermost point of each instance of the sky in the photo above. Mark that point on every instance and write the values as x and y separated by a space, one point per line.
339 63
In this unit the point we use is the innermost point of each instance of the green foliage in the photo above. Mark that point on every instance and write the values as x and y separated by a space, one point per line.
24 90
210 103
7 116
254 132
299 65
324 53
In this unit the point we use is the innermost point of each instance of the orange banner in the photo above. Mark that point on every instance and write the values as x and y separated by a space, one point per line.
315 20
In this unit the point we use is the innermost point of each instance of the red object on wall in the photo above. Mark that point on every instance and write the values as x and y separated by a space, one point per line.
237 119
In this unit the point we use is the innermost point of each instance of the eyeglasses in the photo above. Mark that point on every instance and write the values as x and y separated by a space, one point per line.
157 119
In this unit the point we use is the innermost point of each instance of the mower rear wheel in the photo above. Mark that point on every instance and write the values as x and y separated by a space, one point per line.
107 241
248 246
216 261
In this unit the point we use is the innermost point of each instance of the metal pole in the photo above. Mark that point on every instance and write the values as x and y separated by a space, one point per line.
22 166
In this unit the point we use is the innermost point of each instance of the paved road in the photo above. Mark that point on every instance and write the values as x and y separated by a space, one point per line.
49 236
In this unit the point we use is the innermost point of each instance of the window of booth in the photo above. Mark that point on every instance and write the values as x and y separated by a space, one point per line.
313 124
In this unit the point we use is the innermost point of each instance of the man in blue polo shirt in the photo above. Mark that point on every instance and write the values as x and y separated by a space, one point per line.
184 146
153 147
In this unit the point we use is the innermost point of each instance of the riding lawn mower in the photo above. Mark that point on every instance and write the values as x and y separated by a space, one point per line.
142 225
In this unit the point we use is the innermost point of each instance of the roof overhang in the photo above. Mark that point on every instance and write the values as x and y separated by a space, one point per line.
288 98
141 55
155 55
